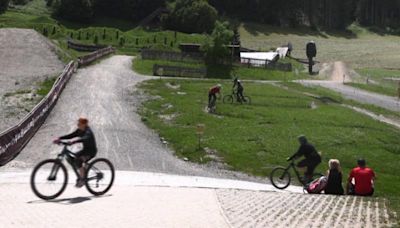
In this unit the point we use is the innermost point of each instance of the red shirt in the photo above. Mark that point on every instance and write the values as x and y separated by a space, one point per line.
215 90
363 178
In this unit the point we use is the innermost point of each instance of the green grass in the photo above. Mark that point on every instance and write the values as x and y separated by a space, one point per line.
376 88
146 67
46 86
250 138
358 47
337 97
379 81
37 16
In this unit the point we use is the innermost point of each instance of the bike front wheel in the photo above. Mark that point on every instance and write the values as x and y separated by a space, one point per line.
49 179
280 178
100 176
228 99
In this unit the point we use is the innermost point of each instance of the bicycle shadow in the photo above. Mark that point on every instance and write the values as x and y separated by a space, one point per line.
69 201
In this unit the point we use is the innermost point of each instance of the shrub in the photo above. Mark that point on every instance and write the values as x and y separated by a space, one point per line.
96 40
75 10
4 5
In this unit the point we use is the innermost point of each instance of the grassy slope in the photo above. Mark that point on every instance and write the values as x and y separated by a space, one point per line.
264 134
379 84
36 15
146 67
360 48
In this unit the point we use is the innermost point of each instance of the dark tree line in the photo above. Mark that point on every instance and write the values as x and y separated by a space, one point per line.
198 15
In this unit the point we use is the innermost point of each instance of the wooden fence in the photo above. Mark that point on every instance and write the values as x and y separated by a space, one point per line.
176 71
84 47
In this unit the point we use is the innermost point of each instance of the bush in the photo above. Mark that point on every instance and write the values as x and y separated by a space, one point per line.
216 49
192 16
96 40
4 5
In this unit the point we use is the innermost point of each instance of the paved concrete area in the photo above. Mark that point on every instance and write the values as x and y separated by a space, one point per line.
161 200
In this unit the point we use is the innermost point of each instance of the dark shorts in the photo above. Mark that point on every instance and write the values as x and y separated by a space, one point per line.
353 192
83 157
311 164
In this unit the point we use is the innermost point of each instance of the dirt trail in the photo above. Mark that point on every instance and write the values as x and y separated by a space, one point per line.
106 93
26 58
340 73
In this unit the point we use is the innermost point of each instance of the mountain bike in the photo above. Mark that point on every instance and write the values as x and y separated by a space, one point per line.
280 176
49 178
229 99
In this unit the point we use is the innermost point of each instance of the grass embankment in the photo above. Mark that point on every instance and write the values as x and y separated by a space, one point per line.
382 81
250 138
37 16
243 72
358 47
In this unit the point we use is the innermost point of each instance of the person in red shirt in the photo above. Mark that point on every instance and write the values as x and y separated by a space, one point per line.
212 94
363 178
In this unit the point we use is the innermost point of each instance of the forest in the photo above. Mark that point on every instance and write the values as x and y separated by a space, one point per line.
200 15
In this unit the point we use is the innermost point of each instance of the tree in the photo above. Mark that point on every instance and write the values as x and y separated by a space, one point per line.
75 10
192 16
216 49
4 5
128 9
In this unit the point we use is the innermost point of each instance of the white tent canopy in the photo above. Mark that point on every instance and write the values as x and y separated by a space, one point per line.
258 58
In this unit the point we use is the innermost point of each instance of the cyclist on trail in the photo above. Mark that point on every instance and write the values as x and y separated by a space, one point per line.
212 94
312 158
85 136
239 90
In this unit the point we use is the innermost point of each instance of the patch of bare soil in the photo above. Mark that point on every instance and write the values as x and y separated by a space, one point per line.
338 72
26 58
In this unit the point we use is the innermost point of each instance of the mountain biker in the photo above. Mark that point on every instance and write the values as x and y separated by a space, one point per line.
212 94
84 135
312 158
239 90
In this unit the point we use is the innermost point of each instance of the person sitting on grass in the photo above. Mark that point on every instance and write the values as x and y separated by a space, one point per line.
311 161
212 94
361 180
334 174
239 90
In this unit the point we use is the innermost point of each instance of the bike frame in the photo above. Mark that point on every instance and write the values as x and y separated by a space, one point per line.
70 157
292 165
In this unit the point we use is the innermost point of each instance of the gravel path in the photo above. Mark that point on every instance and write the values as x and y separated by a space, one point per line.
26 58
104 93
359 95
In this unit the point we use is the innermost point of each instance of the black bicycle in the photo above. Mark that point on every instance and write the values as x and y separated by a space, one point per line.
280 177
49 178
229 99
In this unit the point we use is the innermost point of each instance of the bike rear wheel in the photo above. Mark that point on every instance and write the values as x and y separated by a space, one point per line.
228 99
49 179
100 176
280 178
247 100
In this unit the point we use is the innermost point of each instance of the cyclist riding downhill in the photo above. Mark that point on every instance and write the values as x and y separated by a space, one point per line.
311 161
84 135
239 90
212 96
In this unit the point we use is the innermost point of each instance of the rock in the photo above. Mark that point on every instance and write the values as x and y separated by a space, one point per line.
181 93
186 159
